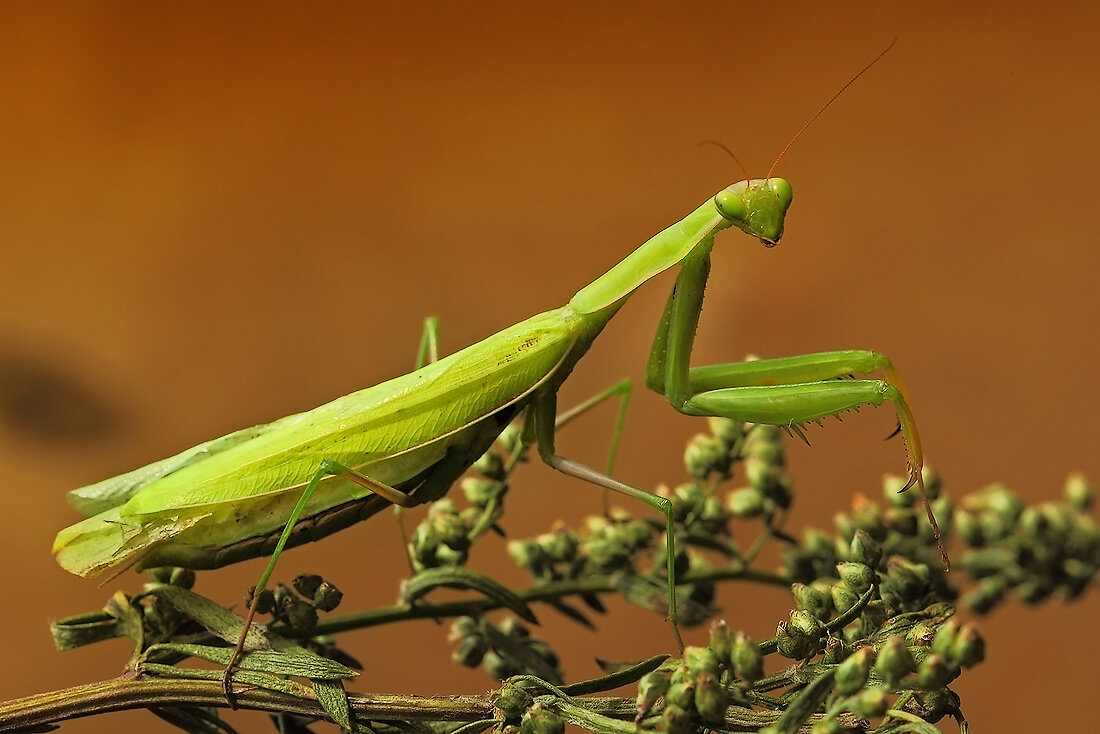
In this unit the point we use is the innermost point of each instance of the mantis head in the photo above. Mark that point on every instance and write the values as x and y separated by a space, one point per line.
757 207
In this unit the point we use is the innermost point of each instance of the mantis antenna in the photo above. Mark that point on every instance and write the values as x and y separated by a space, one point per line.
825 106
806 125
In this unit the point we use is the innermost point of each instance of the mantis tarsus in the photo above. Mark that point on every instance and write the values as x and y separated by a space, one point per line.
405 441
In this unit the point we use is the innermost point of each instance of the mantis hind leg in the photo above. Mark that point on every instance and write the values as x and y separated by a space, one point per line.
543 426
327 468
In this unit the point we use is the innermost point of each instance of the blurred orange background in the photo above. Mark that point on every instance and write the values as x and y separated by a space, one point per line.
215 215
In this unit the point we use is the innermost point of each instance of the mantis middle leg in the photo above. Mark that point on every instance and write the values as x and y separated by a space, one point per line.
541 428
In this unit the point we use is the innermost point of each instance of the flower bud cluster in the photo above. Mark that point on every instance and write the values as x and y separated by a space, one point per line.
604 546
298 607
765 468
900 526
688 697
715 453
442 538
867 682
1033 552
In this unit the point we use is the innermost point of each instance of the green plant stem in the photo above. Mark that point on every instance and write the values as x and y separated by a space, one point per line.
591 584
121 694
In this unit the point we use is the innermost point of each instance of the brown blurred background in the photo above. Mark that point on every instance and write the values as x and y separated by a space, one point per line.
214 216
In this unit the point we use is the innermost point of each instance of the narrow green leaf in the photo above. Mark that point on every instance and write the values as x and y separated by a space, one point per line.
334 700
211 615
289 661
247 677
462 578
621 677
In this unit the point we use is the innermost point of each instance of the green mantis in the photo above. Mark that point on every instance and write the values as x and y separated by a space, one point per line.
407 440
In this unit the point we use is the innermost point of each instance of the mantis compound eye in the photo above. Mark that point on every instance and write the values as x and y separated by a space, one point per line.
782 190
731 205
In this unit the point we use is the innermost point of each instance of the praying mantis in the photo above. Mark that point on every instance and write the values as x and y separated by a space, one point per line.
407 440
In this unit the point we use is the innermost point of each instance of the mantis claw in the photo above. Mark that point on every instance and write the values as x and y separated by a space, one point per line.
893 433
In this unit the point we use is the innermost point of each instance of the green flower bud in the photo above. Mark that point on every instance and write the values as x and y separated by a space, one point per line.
746 503
676 720
634 533
1033 591
780 492
162 574
870 703
711 517
463 627
747 660
711 698
498 667
470 651
845 527
266 605
843 597
891 491
182 577
858 577
944 641
894 661
480 492
490 464
798 565
680 693
835 651
904 582
969 527
512 701
650 688
987 594
761 474
327 597
812 600
995 499
705 454
686 499
969 648
852 674
1078 492
817 542
301 616
938 704
561 545
1078 577
307 584
529 555
864 549
445 555
801 637
729 432
539 720
934 672
827 726
700 660
510 437
721 642
902 520
873 616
